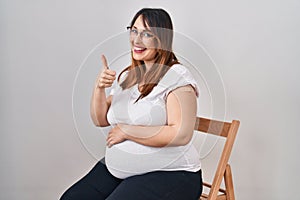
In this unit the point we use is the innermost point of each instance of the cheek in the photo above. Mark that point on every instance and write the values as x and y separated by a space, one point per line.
151 45
151 52
131 42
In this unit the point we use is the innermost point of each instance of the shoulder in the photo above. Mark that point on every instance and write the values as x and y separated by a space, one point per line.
179 71
179 68
177 76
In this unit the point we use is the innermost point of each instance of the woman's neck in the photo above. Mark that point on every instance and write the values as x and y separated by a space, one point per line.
148 65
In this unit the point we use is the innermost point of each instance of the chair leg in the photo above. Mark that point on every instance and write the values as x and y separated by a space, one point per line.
229 183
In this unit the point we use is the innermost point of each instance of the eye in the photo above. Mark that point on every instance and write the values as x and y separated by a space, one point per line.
134 31
147 34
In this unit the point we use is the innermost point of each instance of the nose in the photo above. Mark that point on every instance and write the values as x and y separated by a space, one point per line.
138 38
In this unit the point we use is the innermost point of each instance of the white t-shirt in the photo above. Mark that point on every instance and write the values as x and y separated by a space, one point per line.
130 158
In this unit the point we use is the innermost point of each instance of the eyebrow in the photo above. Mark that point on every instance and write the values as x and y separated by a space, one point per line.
143 30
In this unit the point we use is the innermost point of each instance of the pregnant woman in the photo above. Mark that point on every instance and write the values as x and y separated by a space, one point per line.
152 112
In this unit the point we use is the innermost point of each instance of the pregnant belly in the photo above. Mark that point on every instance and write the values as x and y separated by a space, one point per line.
129 158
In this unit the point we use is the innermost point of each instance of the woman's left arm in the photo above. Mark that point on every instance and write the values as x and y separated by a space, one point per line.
181 118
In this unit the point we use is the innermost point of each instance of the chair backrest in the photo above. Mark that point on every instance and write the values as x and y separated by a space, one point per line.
227 130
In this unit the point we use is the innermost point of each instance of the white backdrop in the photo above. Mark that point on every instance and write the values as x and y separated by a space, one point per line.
255 45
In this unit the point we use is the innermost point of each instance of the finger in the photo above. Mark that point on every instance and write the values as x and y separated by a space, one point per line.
109 72
109 143
108 76
103 85
105 81
104 62
108 136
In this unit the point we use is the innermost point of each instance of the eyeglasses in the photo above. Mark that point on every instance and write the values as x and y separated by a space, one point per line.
145 35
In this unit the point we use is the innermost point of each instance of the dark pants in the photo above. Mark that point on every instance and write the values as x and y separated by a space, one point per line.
99 184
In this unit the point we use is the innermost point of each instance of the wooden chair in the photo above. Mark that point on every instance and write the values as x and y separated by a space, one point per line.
227 130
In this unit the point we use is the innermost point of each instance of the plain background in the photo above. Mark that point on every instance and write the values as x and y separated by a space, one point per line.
255 45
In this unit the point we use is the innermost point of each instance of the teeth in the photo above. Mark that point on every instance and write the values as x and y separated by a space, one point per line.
139 48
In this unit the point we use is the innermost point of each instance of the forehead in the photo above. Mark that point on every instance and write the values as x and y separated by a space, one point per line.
139 24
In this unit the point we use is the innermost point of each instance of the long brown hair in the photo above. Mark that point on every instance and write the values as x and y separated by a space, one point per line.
160 24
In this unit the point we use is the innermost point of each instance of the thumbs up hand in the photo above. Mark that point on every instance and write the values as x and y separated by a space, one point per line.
107 76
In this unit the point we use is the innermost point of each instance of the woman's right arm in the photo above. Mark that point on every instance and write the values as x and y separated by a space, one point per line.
99 102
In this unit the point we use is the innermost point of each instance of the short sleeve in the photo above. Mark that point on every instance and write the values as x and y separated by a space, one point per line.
177 76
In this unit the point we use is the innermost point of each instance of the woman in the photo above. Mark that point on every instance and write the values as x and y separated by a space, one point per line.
152 110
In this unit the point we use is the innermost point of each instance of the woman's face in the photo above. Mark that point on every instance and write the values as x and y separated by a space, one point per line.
143 42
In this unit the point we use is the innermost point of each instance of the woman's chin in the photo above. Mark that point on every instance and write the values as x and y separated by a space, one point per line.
143 57
138 57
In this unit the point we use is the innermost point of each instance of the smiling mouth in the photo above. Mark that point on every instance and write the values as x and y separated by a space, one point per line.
139 49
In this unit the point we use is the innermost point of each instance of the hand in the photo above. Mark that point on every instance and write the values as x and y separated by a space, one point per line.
115 136
106 77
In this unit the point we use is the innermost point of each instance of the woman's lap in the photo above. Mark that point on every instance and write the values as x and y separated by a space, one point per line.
97 184
100 184
163 185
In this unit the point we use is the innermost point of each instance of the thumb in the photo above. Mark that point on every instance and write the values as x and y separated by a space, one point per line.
104 62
